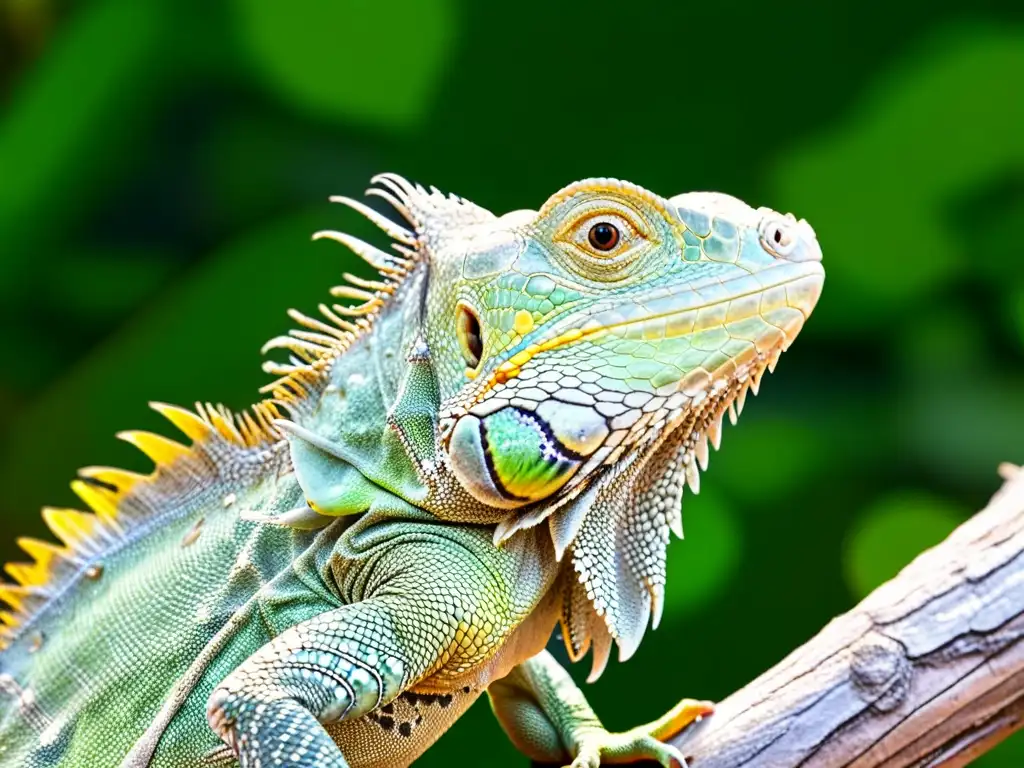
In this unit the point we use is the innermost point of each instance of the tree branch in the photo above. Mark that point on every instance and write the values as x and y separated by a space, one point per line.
927 671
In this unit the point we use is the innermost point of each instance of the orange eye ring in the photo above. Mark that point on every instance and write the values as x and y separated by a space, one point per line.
603 236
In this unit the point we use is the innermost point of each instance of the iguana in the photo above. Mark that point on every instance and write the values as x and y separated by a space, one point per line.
492 442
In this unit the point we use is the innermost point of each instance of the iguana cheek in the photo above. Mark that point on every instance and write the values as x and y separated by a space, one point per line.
513 457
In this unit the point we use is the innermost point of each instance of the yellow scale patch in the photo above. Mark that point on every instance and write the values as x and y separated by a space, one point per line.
511 367
523 322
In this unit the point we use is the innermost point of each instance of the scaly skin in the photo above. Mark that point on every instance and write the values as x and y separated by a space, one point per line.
493 442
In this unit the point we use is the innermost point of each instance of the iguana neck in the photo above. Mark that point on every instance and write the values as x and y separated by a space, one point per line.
345 444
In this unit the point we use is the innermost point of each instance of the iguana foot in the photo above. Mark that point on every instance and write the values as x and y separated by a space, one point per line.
672 723
645 742
626 748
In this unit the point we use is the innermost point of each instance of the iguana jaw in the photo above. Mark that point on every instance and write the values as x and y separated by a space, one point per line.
744 325
613 519
690 410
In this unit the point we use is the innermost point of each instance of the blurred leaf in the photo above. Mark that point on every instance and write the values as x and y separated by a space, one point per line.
108 282
901 154
294 166
699 567
892 532
942 337
30 21
962 426
351 60
988 218
766 456
1017 312
29 357
68 119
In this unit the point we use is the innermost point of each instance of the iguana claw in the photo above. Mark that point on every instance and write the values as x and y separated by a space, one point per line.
645 742
672 723
631 751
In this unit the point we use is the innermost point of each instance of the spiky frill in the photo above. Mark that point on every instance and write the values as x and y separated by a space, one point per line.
123 505
319 341
616 529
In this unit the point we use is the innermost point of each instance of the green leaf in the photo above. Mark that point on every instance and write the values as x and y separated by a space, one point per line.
700 566
351 60
898 163
891 533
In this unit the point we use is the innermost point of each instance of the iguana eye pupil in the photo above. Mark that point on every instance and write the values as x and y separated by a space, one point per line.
470 336
604 236
777 236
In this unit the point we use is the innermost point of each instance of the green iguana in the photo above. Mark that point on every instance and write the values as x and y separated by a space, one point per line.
492 442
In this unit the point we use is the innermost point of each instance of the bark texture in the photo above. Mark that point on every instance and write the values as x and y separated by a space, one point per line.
927 671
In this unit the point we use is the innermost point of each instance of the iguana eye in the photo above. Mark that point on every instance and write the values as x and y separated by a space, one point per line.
604 236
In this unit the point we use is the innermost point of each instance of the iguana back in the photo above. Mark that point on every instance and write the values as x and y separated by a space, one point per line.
114 619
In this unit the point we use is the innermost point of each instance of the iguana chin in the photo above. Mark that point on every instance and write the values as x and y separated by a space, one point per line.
495 440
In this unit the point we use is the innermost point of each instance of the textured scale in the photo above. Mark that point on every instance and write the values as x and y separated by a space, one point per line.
487 437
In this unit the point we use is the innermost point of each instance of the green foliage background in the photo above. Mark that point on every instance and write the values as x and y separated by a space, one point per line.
163 162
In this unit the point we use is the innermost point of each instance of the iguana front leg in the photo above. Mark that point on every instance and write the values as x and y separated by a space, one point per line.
547 717
339 665
428 608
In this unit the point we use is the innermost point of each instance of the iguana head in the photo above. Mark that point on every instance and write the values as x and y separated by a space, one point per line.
568 339
565 366
586 353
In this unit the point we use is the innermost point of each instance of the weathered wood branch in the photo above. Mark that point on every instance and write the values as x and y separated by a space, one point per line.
927 671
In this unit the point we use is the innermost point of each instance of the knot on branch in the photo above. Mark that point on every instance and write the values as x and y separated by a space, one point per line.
880 671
